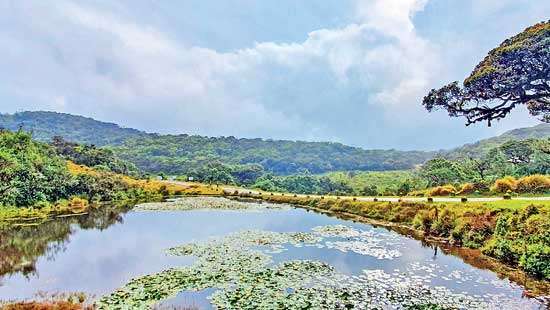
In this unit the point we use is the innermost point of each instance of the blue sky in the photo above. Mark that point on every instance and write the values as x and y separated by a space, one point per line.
352 71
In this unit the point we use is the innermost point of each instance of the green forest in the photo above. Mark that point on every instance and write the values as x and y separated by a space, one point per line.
187 154
35 174
297 167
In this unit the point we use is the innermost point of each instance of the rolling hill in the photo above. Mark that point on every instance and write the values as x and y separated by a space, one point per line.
483 146
179 154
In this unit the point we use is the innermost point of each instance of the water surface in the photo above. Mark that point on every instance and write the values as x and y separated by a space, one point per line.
100 252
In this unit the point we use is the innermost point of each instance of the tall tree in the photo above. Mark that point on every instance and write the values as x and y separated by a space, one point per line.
514 74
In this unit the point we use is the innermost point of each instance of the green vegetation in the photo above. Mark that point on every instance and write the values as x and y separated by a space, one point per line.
34 175
36 183
189 155
482 148
387 183
514 167
240 268
92 156
286 166
304 183
30 172
513 74
495 171
514 232
47 125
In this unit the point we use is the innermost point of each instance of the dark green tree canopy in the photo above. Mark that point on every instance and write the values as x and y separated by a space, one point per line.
515 73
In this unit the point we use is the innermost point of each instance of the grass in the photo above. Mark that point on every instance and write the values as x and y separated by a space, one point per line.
385 181
513 231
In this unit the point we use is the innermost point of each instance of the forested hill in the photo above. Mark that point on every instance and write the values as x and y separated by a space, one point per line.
181 154
483 146
185 154
46 125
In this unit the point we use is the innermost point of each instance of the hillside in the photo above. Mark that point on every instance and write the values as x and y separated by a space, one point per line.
483 146
46 125
183 154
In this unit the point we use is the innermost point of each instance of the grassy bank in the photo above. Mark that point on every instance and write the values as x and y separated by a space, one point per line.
514 232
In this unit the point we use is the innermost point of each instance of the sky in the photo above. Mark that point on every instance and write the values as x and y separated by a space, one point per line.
349 71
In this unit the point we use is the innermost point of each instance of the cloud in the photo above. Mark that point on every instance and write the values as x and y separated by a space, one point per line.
345 83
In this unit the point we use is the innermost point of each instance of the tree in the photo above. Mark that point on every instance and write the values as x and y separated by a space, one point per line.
518 152
247 174
404 189
543 146
480 166
440 171
515 73
370 190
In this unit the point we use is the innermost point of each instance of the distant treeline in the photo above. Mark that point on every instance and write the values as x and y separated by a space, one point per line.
185 154
514 167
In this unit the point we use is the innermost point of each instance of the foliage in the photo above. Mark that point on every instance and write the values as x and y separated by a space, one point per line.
376 183
30 172
184 154
441 171
511 75
536 260
534 184
34 176
445 190
304 183
91 156
481 148
515 232
505 185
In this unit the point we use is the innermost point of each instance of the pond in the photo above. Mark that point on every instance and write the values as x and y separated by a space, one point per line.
203 253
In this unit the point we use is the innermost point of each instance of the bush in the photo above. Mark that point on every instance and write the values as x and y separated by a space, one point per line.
423 220
444 223
535 184
536 261
445 190
505 185
467 189
77 202
501 249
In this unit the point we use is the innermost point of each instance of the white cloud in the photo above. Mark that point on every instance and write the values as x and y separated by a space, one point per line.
341 83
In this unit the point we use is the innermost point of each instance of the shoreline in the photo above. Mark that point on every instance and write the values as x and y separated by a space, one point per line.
534 288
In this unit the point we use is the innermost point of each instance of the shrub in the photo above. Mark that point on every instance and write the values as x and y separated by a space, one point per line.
501 249
467 189
536 260
445 190
77 203
444 223
505 185
535 184
422 220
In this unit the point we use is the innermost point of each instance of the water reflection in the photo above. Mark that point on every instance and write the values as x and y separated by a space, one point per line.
21 246
90 253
